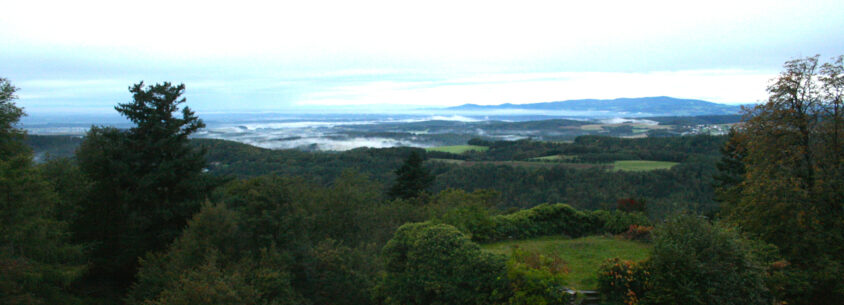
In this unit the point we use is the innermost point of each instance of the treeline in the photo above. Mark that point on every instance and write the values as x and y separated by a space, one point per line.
137 217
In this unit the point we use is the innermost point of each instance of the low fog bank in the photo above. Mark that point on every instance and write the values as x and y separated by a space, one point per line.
338 132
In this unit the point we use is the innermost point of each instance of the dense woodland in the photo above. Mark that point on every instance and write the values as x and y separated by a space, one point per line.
148 215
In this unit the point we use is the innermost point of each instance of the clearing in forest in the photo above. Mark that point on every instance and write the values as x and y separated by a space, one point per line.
582 255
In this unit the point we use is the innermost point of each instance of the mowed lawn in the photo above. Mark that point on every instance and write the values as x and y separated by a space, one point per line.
582 256
458 149
641 165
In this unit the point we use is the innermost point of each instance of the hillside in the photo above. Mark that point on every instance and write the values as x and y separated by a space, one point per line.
643 106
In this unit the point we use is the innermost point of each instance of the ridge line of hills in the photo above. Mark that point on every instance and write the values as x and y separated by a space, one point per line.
657 105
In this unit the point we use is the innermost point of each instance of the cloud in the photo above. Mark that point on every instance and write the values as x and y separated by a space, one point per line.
724 86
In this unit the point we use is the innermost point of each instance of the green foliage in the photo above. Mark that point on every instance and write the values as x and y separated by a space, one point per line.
545 220
641 165
339 274
412 178
581 257
695 262
536 278
146 182
436 264
623 281
37 263
616 222
10 114
213 262
792 192
468 212
458 149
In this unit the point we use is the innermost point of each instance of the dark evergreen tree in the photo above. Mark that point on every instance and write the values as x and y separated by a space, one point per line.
412 178
727 182
146 181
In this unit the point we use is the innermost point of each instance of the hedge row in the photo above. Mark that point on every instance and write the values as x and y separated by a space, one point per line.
552 219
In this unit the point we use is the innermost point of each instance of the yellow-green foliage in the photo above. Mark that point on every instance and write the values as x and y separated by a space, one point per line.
641 165
536 278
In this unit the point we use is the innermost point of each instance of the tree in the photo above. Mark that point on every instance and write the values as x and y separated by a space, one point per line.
413 178
436 264
10 114
146 181
695 262
792 193
37 263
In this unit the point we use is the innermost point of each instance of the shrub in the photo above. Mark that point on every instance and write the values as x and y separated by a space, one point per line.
617 222
536 278
622 280
436 264
637 232
695 262
630 205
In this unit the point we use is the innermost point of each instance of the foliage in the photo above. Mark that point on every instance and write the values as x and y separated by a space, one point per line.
637 232
436 264
548 219
536 278
641 165
581 257
412 178
212 263
37 262
146 182
469 212
731 171
792 193
623 281
695 262
10 114
630 205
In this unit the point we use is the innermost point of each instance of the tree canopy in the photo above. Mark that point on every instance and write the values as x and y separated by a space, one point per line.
146 181
792 190
412 178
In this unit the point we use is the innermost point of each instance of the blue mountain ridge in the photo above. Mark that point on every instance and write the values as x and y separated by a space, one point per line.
652 105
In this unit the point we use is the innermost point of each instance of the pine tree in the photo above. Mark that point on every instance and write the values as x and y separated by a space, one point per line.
412 178
146 181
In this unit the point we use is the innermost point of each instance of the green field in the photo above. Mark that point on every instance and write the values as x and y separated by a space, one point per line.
458 149
553 158
641 165
583 255
528 164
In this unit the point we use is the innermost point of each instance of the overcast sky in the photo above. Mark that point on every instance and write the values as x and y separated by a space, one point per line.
81 56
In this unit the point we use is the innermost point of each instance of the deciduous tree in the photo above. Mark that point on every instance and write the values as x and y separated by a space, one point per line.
792 194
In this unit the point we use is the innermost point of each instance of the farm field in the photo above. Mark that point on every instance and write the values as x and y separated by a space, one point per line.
530 164
458 149
641 165
553 158
583 255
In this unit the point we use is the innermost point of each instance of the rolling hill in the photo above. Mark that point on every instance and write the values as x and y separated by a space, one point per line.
643 106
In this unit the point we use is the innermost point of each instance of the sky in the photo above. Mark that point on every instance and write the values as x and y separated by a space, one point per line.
311 56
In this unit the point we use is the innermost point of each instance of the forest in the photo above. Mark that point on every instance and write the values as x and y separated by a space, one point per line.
152 215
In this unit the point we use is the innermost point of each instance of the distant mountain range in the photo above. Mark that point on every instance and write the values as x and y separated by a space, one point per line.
642 106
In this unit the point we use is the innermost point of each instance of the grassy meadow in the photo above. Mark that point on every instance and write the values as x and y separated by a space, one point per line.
641 165
583 255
